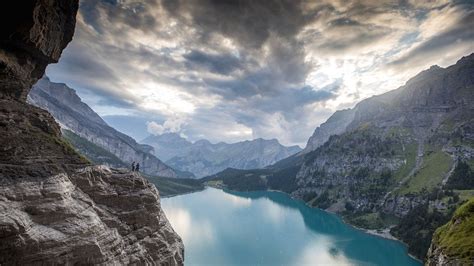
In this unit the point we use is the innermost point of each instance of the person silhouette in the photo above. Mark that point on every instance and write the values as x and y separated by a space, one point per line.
133 166
137 167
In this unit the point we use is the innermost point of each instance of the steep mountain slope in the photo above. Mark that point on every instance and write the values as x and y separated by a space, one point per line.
55 209
204 158
168 145
74 115
335 125
397 153
398 145
92 152
389 160
453 243
99 156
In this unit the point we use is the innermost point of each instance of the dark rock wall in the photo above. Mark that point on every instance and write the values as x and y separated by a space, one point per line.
37 32
94 216
53 209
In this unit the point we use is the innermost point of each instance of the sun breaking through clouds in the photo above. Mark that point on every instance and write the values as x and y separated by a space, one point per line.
236 70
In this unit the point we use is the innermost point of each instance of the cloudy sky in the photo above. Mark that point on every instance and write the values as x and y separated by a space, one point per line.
237 70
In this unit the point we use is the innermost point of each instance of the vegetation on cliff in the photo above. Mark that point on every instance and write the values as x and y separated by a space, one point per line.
455 239
462 177
417 227
94 153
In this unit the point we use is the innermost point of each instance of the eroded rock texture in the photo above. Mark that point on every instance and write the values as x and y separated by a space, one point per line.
54 209
33 34
96 215
73 114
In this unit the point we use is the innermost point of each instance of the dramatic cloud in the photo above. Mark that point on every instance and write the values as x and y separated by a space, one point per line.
172 125
236 70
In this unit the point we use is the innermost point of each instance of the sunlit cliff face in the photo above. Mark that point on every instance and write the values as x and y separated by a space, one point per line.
230 71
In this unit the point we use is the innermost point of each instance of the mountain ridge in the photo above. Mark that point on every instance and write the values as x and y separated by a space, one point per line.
204 158
74 115
384 163
346 119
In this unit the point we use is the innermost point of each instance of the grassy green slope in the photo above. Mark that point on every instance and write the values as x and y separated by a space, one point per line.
456 238
434 168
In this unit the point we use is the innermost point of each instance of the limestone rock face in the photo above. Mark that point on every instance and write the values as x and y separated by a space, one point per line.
335 125
30 143
54 209
73 114
95 215
37 33
33 34
358 153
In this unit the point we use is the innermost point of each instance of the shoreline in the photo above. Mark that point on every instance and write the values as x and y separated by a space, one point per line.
383 233
179 194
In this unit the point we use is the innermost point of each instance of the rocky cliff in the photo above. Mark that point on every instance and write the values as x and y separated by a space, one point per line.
453 243
74 115
55 209
96 215
203 158
30 139
382 157
392 161
335 125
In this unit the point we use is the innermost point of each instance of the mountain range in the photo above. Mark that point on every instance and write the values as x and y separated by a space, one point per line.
82 126
392 161
102 144
203 158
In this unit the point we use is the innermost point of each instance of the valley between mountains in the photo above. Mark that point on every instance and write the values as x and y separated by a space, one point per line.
397 163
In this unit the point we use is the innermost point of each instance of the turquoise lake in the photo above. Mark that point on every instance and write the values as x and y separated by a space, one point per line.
269 228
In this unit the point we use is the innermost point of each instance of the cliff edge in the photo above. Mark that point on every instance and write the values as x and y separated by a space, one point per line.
54 207
453 243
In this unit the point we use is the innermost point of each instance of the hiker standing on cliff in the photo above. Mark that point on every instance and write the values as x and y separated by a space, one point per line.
137 168
133 166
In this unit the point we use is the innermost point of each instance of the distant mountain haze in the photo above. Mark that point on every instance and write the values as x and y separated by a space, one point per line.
202 158
93 137
168 145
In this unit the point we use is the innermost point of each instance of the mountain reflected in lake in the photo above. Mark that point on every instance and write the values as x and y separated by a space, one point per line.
269 228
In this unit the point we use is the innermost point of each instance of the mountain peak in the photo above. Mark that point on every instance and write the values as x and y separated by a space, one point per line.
203 142
466 59
204 158
170 136
425 74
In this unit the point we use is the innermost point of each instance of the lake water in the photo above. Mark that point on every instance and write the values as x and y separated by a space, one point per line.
269 228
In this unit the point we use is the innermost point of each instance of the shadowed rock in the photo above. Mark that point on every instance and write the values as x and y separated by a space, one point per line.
96 215
54 209
36 34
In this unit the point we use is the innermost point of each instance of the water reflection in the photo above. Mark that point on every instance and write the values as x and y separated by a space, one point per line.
190 229
269 228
